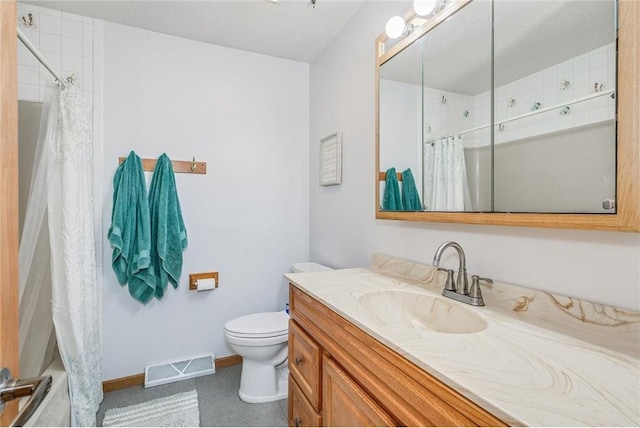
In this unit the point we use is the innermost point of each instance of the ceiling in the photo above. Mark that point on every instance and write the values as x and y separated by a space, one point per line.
291 29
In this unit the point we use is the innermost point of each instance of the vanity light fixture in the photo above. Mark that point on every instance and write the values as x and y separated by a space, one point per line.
396 27
427 7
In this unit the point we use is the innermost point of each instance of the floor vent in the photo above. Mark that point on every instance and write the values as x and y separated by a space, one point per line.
159 374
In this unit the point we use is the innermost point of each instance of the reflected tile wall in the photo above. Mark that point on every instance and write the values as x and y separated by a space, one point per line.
546 88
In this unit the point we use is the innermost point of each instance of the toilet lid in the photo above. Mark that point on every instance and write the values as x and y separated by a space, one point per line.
264 324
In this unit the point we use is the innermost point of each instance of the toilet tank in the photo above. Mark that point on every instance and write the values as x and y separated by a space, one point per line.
308 267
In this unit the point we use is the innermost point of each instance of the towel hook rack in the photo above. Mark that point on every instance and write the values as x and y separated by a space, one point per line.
187 167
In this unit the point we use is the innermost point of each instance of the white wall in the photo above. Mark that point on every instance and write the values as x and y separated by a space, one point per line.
244 114
599 266
400 127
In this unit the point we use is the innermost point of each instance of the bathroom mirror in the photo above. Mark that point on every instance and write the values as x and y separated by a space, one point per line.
554 106
515 125
456 171
400 115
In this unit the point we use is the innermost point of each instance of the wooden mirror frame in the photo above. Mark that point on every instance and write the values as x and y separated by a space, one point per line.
627 217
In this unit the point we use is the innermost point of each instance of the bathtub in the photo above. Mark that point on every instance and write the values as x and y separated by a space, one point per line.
55 409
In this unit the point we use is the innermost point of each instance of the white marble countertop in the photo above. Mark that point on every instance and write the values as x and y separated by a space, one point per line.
543 360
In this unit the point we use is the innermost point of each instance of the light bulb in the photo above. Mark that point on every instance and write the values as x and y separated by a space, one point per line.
395 27
424 7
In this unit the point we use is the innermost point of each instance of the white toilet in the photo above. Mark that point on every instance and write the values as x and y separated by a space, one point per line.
261 340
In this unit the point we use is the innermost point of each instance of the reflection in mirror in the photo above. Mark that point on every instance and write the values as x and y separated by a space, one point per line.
400 125
431 104
547 144
555 70
457 111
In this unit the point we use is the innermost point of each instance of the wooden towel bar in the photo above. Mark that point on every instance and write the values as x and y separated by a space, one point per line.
383 176
187 167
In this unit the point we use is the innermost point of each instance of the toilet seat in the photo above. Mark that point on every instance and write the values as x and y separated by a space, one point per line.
259 326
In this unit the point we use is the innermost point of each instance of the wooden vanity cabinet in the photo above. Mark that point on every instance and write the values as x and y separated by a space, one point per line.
341 376
345 403
301 412
304 378
305 363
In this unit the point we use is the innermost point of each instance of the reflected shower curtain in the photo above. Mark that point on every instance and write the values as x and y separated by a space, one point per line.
445 175
61 200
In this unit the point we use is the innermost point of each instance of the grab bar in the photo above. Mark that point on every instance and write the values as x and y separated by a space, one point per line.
10 389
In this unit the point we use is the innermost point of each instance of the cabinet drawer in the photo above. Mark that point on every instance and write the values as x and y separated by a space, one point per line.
346 404
305 363
301 412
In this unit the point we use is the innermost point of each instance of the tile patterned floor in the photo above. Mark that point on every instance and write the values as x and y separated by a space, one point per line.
218 400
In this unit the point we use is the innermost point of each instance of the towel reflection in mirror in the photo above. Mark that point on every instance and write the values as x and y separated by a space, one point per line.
396 200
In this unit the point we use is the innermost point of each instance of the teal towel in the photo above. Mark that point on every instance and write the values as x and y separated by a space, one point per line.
391 199
410 197
130 233
168 234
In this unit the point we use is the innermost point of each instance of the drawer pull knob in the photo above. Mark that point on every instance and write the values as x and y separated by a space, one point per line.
297 360
297 421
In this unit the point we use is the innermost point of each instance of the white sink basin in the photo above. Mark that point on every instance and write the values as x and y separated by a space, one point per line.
416 310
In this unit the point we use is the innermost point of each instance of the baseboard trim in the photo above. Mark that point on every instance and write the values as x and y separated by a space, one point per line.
123 382
231 360
138 379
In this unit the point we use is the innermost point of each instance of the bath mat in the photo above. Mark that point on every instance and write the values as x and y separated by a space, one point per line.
178 410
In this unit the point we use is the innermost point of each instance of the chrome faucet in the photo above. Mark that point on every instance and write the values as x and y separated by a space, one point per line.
462 268
459 289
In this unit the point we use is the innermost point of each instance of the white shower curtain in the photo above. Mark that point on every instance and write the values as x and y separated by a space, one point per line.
61 195
445 175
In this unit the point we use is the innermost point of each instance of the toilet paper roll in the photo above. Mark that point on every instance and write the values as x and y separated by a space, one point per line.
206 284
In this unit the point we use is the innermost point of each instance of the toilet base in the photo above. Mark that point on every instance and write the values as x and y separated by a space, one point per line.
247 393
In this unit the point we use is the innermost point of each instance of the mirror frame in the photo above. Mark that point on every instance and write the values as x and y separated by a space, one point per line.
627 216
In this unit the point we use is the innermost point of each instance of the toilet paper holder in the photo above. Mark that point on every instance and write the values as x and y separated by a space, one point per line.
194 277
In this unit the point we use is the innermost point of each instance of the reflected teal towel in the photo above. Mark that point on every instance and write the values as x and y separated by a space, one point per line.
391 199
168 234
410 197
129 234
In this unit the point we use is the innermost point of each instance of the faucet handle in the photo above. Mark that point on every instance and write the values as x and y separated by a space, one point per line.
474 290
450 284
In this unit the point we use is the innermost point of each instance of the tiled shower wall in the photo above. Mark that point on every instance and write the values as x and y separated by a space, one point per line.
443 117
545 87
445 114
72 45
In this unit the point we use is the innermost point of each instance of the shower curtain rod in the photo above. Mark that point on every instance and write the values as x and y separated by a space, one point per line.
25 41
522 116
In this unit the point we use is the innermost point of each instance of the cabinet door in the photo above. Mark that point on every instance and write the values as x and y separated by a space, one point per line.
301 412
345 403
304 363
